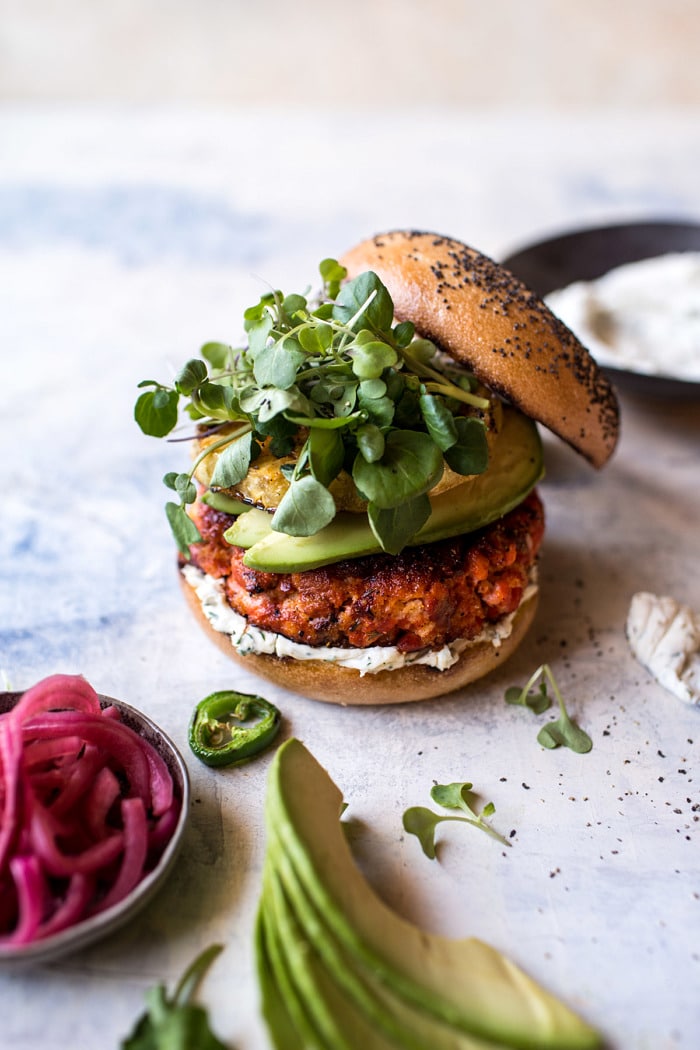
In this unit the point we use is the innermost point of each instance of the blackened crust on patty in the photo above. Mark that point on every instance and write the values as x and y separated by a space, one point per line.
424 597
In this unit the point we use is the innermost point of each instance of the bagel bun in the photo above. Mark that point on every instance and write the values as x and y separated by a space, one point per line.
326 681
500 330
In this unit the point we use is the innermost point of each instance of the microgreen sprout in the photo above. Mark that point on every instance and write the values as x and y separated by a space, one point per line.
562 731
342 386
423 822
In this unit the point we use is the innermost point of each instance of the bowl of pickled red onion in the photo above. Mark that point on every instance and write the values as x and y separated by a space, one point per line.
94 799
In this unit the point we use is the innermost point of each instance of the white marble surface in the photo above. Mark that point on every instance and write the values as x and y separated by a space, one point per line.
129 238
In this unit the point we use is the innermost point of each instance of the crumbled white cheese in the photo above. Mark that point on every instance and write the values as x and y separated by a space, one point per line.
643 316
246 638
664 635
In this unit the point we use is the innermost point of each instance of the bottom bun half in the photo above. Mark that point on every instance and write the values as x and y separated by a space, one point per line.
326 681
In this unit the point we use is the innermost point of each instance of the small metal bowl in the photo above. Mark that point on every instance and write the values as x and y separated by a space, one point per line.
585 254
97 926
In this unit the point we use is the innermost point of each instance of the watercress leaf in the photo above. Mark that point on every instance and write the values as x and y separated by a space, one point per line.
282 434
293 304
370 442
275 401
183 528
277 363
411 465
156 411
324 312
234 460
306 507
423 350
379 410
422 822
324 422
396 527
316 339
185 488
182 484
217 354
372 389
344 399
250 399
403 333
190 376
395 384
326 453
364 302
217 400
332 274
439 421
258 330
407 407
470 453
370 359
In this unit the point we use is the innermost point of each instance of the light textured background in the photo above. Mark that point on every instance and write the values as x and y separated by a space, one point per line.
315 53
159 161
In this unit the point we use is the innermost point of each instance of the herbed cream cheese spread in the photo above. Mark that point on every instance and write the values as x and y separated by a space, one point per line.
246 638
641 317
664 635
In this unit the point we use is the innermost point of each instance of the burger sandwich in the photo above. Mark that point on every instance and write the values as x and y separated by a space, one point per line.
361 522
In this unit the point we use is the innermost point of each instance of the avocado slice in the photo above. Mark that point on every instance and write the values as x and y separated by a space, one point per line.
515 467
250 528
465 983
274 1009
279 991
227 504
358 988
333 1018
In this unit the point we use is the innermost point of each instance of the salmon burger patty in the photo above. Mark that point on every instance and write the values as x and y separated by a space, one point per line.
425 597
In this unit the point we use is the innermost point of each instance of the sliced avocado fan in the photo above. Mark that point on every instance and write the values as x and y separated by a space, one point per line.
333 958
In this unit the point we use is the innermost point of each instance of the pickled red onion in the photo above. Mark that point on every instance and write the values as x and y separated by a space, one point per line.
87 806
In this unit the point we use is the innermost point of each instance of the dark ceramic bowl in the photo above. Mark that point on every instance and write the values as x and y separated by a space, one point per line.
585 254
97 926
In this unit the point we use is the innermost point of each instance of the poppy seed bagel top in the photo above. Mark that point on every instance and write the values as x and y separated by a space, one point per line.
500 330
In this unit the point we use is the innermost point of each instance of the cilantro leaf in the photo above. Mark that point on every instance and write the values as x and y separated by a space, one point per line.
175 1022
